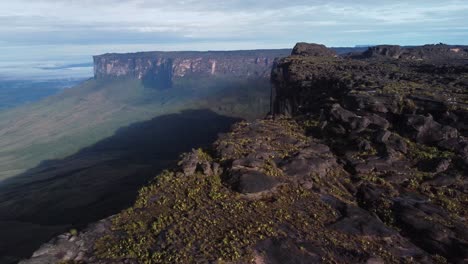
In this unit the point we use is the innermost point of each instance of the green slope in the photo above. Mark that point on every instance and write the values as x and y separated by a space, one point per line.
61 125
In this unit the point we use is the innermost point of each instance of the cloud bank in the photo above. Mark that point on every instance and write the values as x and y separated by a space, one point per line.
214 24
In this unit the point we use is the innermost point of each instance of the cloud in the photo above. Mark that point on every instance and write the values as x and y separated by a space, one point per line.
273 22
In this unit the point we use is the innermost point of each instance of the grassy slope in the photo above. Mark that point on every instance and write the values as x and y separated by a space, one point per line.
63 124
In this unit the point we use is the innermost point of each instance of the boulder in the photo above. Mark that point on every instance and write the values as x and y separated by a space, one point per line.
338 113
378 121
314 160
444 179
364 102
435 165
356 221
255 182
416 218
383 136
396 143
359 124
287 250
191 162
458 145
425 130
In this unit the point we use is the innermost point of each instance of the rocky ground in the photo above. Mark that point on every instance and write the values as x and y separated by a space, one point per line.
364 161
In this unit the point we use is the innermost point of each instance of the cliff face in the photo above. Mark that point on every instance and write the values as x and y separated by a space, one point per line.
163 67
316 78
396 118
439 53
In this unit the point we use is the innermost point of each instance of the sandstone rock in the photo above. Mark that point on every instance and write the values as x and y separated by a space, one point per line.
378 121
375 261
336 129
356 221
458 145
415 218
217 169
255 182
162 67
425 130
61 249
359 124
206 168
315 160
444 179
338 113
397 143
189 164
391 51
429 105
364 145
278 251
192 161
383 136
315 50
436 165
362 102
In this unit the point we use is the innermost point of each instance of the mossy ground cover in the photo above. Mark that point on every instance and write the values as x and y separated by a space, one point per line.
244 136
196 219
199 219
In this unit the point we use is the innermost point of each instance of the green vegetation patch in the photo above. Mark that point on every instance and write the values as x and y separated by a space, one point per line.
282 136
194 219
418 151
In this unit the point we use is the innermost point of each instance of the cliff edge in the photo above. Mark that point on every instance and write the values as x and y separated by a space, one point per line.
163 67
363 161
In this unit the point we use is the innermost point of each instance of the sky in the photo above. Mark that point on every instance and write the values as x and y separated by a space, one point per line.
57 32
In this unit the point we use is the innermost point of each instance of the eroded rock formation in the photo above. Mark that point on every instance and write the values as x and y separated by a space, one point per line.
439 53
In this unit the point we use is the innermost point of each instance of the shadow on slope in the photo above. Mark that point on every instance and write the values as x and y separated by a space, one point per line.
63 124
98 181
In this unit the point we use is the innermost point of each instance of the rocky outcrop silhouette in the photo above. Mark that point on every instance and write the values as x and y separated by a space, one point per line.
439 53
316 50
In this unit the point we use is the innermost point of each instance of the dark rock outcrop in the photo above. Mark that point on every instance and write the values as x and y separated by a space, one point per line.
439 54
425 130
391 122
316 50
390 51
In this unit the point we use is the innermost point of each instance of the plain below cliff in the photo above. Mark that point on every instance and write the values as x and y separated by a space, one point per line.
124 91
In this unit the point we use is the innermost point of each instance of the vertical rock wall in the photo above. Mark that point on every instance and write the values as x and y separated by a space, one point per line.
162 67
